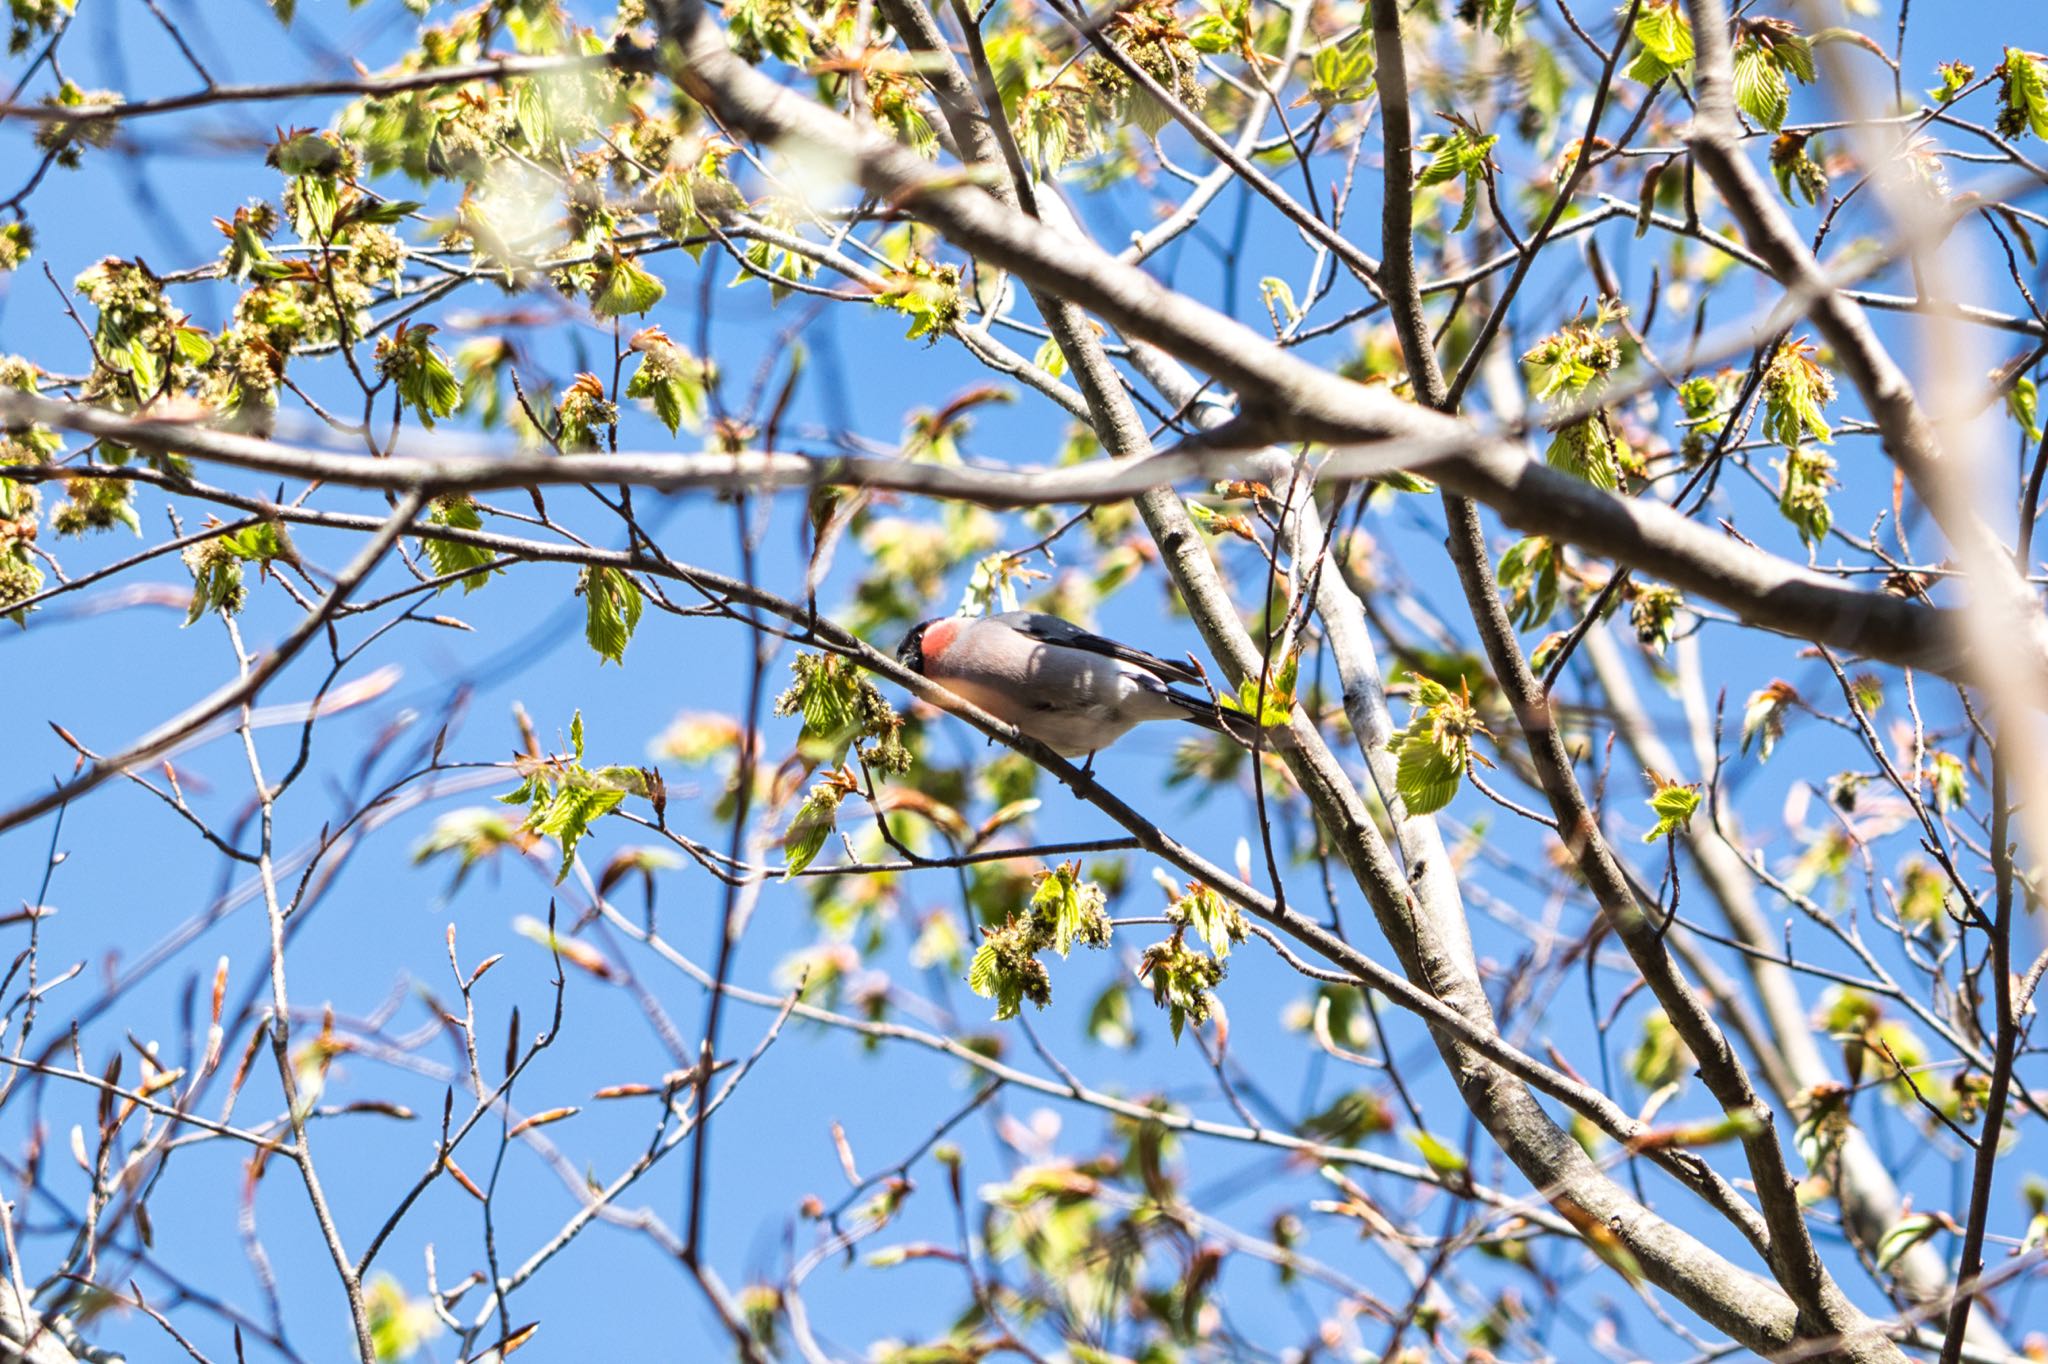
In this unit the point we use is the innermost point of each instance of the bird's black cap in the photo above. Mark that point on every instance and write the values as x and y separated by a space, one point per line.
910 653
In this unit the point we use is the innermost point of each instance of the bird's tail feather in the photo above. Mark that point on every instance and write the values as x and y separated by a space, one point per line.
1235 724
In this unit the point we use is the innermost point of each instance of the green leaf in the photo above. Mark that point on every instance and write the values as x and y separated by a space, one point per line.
1212 33
1426 775
1805 476
1654 613
563 798
568 817
381 212
1666 35
812 825
448 557
1215 920
1585 449
218 587
1674 805
982 977
315 202
1660 1058
1042 130
612 604
1902 1236
1006 970
1578 358
144 367
1070 909
1797 388
1342 73
426 381
1447 164
2022 95
1529 572
17 242
1270 704
1109 1018
1432 753
1500 16
1951 782
827 697
1761 90
1350 1119
472 834
671 378
623 287
1955 77
194 346
1279 297
1436 1153
307 153
927 294
1181 979
1770 54
2022 402
260 543
841 708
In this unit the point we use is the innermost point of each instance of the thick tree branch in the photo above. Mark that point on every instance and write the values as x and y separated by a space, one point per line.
1298 400
1824 1312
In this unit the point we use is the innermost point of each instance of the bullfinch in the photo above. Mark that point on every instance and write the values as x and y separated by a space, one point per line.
1073 691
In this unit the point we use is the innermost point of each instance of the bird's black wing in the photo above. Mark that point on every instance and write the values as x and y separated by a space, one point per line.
1066 634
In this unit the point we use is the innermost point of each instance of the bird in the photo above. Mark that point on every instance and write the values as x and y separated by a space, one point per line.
1074 691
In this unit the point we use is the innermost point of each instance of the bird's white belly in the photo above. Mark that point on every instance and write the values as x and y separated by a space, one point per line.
1071 730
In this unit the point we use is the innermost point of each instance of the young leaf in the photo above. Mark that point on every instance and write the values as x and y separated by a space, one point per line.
1215 920
1432 753
1768 57
841 708
1273 703
612 604
1805 476
670 378
449 557
2022 403
426 383
1068 909
1529 572
1006 969
1666 37
1342 72
813 823
1461 152
1955 76
927 294
622 286
1674 804
567 817
1902 1236
1441 1157
1181 979
1763 717
1585 449
2022 94
1796 389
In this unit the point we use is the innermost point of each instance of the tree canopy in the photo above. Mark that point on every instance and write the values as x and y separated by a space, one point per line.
485 879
